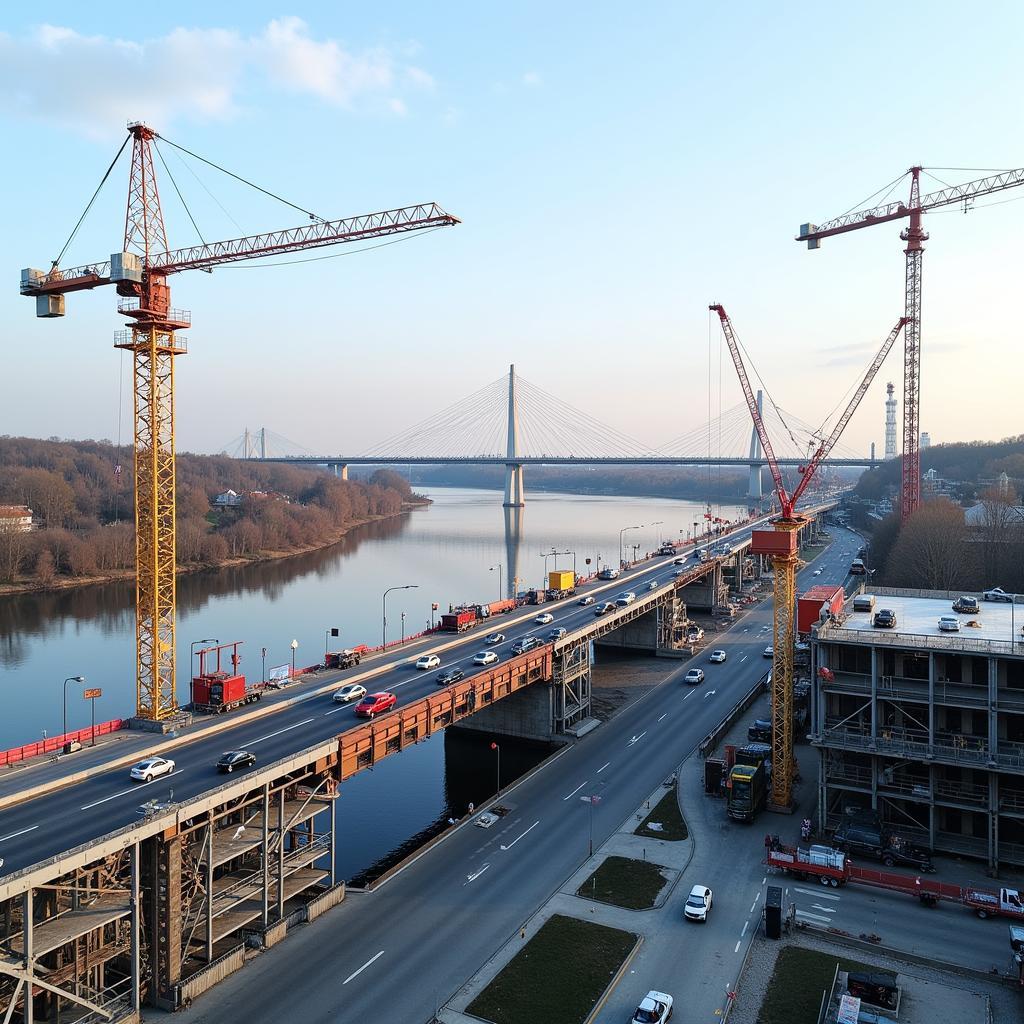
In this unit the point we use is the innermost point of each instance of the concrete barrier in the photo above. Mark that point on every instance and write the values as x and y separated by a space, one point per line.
208 976
322 903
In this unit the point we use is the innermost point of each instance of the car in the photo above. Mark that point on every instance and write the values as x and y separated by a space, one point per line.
768 652
544 618
486 820
966 605
625 599
679 572
374 703
949 624
608 573
428 661
694 676
233 759
495 638
654 1008
681 560
526 643
349 693
653 585
152 768
484 658
817 572
587 599
698 903
556 634
451 675
717 657
997 594
885 618
604 608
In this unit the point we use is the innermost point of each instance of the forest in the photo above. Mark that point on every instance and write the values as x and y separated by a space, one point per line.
81 496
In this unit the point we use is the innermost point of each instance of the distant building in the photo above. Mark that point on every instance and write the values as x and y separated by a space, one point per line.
1009 515
16 518
926 439
228 499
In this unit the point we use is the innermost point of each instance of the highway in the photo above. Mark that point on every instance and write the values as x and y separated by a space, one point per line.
108 799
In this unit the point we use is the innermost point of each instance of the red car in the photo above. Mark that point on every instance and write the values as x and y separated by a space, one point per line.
374 703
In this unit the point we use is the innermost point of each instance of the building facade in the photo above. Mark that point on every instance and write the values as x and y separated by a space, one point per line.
922 726
17 518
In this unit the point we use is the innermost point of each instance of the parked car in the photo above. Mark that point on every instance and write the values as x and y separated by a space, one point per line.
524 644
349 693
949 624
152 768
868 837
233 759
544 618
608 573
375 703
624 599
760 731
694 677
484 658
997 594
495 638
654 1008
428 661
556 634
604 607
450 675
698 903
966 605
885 618
585 600
717 657
768 652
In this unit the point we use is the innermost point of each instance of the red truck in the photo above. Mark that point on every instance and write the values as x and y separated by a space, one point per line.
459 621
344 659
808 606
219 690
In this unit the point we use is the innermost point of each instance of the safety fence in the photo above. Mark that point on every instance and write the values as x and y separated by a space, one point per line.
53 744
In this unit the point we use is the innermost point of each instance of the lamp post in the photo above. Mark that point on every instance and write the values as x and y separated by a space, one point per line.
497 749
70 679
384 612
621 532
403 628
295 647
498 567
658 522
192 649
694 534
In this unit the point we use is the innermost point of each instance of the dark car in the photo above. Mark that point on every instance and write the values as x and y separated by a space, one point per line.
236 759
862 837
885 618
449 675
760 731
966 605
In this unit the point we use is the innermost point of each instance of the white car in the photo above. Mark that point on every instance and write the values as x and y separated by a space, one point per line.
544 618
717 657
484 658
486 820
653 585
997 594
585 600
768 652
623 599
949 624
654 1008
679 572
428 661
495 638
698 903
681 560
152 768
349 693
817 572
694 677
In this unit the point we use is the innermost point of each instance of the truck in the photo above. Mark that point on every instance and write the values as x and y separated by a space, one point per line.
561 583
458 621
348 658
668 548
499 607
810 604
219 690
747 791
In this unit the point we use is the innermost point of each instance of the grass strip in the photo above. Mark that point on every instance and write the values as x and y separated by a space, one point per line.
667 814
538 983
801 978
624 882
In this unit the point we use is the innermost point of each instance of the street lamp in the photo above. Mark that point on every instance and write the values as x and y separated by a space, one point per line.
658 522
621 532
498 567
403 627
295 647
192 649
497 749
384 612
70 679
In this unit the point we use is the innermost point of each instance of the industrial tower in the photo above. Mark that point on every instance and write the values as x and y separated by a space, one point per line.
890 422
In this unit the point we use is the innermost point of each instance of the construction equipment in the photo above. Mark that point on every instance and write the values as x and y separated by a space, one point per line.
140 272
780 544
915 236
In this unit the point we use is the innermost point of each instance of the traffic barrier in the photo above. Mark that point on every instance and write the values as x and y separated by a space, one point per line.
710 741
53 744
207 977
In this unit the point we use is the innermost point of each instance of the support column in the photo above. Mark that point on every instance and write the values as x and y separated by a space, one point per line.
263 442
135 927
874 696
280 856
931 703
209 890
515 496
334 842
266 854
27 925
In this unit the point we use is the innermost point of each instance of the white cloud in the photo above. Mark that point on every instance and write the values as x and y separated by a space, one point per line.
532 79
95 83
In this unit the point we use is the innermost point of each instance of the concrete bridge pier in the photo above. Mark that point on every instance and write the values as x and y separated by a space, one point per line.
659 630
340 469
515 495
708 593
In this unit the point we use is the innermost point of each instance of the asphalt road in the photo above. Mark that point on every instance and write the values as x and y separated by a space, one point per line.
109 799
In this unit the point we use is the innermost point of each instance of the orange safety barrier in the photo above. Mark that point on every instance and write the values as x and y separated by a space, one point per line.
54 743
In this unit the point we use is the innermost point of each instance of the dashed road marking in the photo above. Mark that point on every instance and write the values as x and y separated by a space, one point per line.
14 835
817 894
517 838
280 732
803 915
576 790
636 739
355 974
133 789
663 716
737 949
602 768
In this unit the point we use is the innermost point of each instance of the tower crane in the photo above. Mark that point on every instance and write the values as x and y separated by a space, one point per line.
915 236
780 544
140 273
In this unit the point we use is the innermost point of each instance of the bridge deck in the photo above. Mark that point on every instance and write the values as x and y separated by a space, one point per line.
249 909
73 924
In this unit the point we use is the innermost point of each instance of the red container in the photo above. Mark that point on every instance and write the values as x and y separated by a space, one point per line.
217 689
808 606
456 622
773 542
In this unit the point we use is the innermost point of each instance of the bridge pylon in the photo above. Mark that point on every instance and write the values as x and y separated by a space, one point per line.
515 495
754 491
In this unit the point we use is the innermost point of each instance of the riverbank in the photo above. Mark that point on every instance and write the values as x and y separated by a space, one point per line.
121 575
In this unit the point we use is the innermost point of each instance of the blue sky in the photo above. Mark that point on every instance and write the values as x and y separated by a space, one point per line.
615 171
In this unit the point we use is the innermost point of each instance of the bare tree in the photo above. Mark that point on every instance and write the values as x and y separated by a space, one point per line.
12 552
997 530
931 550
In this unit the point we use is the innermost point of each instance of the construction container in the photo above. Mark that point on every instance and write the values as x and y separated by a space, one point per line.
809 605
458 622
773 542
561 579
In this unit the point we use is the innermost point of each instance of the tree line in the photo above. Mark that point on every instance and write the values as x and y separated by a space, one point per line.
82 497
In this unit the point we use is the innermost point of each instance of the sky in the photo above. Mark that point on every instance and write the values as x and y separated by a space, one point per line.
615 167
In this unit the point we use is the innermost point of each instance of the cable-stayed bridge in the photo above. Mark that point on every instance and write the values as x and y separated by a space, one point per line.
513 423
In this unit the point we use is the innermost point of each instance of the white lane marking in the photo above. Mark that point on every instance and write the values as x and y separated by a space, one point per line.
746 925
355 974
764 880
476 874
710 693
744 658
602 768
280 732
635 739
805 916
817 893
334 711
134 789
737 949
827 910
689 694
753 906
517 838
576 790
663 716
14 835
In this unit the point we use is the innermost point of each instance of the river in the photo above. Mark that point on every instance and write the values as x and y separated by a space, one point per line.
462 547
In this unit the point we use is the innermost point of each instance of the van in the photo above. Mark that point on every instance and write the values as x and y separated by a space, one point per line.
864 603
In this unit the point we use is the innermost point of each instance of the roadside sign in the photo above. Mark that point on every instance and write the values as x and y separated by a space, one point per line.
92 694
278 673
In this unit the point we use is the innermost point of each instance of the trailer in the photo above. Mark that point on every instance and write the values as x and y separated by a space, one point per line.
458 621
348 658
219 690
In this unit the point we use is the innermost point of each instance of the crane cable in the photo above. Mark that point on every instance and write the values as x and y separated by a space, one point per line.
178 191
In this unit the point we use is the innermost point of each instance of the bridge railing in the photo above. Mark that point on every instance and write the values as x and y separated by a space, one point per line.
53 744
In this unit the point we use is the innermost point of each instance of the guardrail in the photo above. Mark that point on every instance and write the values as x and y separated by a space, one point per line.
708 744
53 744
